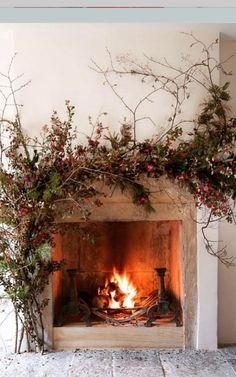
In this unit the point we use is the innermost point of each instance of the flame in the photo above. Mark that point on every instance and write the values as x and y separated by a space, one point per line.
113 303
127 289
118 292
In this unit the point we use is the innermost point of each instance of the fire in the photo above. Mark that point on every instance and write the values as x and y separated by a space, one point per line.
119 291
126 287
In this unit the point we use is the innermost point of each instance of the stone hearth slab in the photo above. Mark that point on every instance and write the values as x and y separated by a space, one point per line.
92 364
195 363
118 363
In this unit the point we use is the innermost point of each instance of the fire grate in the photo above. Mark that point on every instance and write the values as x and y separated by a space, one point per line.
154 310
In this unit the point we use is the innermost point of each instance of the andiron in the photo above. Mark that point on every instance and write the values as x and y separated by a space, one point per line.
162 308
75 306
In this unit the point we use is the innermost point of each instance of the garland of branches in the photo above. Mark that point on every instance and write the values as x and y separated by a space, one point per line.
38 174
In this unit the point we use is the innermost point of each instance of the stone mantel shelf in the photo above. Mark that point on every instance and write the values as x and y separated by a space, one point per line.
168 199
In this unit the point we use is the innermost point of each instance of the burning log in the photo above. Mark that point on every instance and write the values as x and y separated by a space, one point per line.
107 295
100 301
116 293
119 292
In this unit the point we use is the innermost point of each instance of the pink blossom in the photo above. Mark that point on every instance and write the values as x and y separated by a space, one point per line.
149 168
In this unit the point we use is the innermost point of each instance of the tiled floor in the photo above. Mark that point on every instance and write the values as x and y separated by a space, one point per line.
119 363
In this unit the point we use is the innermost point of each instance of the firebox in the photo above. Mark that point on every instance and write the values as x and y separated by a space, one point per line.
126 274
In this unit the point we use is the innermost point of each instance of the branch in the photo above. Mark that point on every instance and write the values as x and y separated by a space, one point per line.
221 254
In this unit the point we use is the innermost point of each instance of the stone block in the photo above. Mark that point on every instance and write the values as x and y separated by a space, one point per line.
136 358
138 372
228 352
195 363
97 363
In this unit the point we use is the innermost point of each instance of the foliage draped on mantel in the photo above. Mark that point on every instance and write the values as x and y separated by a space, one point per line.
38 174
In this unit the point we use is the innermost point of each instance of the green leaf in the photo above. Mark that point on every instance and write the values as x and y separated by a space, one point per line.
33 194
225 96
47 195
226 85
44 252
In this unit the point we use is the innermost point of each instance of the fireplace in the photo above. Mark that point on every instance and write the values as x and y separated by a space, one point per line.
133 242
124 273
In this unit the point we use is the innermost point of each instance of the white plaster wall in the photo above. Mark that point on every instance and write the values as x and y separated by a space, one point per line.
227 235
207 285
7 317
56 57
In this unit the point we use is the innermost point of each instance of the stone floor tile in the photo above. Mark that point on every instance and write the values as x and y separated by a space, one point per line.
136 358
56 364
87 363
89 356
5 361
136 363
195 364
96 371
119 363
24 365
137 372
232 362
228 352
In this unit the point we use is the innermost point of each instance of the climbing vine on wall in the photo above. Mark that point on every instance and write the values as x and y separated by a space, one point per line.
39 175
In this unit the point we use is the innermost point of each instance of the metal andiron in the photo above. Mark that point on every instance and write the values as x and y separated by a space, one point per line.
162 309
75 306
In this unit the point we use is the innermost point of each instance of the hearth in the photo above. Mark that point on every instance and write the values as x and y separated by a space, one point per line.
134 243
130 276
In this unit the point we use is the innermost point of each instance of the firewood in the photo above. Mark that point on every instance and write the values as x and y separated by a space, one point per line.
100 302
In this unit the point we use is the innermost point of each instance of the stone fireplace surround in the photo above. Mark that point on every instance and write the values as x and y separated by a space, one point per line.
199 275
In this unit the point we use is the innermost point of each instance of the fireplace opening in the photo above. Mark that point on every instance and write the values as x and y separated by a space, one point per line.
125 274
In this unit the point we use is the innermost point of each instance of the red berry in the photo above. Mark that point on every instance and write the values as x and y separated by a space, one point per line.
149 168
